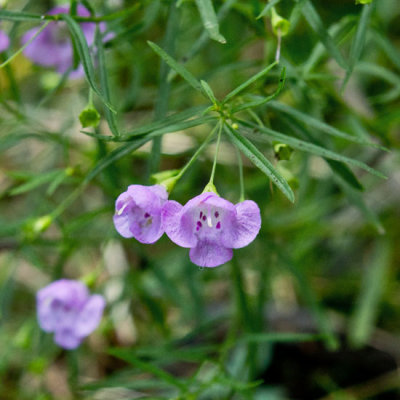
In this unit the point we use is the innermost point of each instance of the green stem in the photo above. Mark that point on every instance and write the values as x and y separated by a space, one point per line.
197 153
90 101
241 179
219 125
24 46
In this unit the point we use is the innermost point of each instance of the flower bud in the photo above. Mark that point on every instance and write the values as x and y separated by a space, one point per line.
280 26
89 117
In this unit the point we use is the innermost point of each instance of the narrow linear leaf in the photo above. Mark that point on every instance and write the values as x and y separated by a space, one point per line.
266 9
312 148
373 284
254 78
322 126
110 116
258 159
128 356
258 103
314 20
209 92
391 51
280 337
358 41
84 55
36 182
210 20
180 69
19 16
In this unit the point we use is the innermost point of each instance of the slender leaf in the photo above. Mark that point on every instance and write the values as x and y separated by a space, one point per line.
110 116
373 284
128 356
36 181
266 9
322 126
312 148
280 337
180 69
254 78
258 159
258 103
210 20
358 41
314 20
209 92
84 55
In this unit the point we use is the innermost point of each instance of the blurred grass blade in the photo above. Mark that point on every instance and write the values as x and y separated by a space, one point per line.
373 284
314 20
258 159
312 148
19 16
266 9
358 41
128 356
254 78
210 20
280 337
322 126
36 181
257 103
391 51
180 69
345 173
110 116
357 199
21 49
84 55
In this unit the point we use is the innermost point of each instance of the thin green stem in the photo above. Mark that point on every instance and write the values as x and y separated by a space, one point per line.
219 125
24 46
198 152
241 179
90 101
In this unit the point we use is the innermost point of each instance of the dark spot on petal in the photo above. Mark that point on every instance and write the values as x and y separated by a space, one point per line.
216 214
146 215
218 225
199 224
201 214
204 218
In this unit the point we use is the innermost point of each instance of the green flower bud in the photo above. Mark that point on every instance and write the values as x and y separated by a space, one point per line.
89 117
159 177
282 151
280 26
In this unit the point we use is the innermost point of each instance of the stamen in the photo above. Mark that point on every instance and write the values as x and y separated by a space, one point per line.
121 210
209 221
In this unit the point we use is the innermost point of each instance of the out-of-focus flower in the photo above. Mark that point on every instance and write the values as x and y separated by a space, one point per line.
53 46
66 308
138 212
211 227
4 41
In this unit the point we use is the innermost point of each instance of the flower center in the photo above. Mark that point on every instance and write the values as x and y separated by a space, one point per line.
208 221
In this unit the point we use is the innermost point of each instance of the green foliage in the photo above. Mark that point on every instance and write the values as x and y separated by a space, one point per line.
219 95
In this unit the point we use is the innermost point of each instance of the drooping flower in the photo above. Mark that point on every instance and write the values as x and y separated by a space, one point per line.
211 227
66 308
138 212
53 46
4 41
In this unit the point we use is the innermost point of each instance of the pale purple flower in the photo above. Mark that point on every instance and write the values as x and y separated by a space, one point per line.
211 227
53 46
66 308
4 41
138 212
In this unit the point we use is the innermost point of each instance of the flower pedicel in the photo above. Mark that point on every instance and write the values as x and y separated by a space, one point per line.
211 227
66 308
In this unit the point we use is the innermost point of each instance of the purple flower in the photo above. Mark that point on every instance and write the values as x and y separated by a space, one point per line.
4 41
66 308
53 47
211 227
138 212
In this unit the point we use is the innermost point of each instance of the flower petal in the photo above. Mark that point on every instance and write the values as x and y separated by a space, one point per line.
67 339
210 254
245 227
89 317
4 41
178 226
